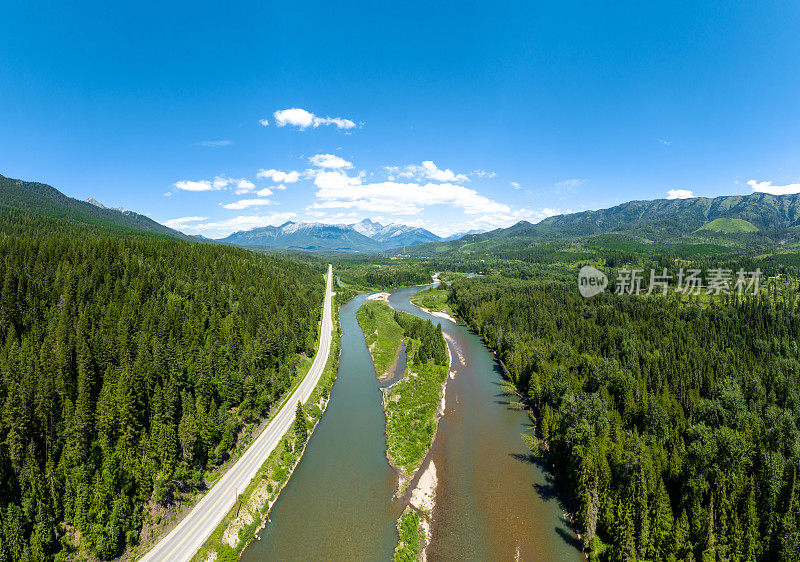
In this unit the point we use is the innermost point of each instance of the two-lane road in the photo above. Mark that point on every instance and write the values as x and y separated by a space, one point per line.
190 534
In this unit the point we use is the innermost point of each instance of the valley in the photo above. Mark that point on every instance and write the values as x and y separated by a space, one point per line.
545 426
341 501
405 281
365 236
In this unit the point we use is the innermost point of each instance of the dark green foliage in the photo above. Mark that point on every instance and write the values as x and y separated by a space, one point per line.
412 403
48 201
300 427
383 275
432 344
674 223
673 428
128 366
409 529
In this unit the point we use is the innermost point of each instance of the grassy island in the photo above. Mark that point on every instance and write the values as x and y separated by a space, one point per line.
412 404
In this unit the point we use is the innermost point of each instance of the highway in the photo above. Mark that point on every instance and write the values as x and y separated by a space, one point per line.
189 535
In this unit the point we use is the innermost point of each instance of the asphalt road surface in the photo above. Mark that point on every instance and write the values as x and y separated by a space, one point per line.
189 535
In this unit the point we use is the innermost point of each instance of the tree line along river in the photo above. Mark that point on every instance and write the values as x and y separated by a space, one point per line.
492 501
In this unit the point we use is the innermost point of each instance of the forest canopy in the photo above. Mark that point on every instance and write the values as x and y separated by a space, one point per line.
672 427
128 366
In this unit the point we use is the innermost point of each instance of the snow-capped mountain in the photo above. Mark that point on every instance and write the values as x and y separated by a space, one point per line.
458 235
96 203
364 236
306 236
367 227
394 235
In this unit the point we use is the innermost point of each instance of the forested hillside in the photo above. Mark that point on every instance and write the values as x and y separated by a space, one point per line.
45 200
376 272
672 428
776 215
757 223
128 365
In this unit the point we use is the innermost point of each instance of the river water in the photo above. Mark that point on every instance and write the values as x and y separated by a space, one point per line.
492 502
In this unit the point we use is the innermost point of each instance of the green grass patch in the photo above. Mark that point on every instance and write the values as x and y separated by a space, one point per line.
411 408
382 334
434 299
409 528
450 276
729 225
412 403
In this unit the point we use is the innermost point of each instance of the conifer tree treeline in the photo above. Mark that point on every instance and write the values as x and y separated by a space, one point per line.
128 365
673 428
432 344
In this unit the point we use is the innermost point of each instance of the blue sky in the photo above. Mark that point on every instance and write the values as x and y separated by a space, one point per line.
445 115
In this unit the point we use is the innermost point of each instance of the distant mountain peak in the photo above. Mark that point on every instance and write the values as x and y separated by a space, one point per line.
367 227
96 203
364 236
458 235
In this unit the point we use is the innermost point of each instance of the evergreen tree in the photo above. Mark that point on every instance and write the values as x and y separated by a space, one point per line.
682 406
789 539
116 350
662 520
300 427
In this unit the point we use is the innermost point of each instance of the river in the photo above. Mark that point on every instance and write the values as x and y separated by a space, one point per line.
492 503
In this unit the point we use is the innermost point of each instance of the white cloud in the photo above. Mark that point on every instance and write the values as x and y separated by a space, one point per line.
507 219
436 174
664 142
225 227
423 195
680 194
538 215
336 189
335 180
571 183
495 220
188 185
183 222
241 185
295 116
279 177
214 143
427 171
334 218
304 119
516 185
340 122
245 203
767 187
330 161
264 122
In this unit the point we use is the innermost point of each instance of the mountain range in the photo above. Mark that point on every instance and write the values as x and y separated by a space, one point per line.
760 219
774 216
364 236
